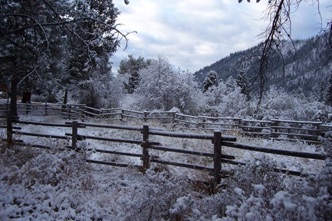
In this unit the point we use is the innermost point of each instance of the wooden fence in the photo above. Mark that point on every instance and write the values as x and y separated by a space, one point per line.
147 153
277 129
69 111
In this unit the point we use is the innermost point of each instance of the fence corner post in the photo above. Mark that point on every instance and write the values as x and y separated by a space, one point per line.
74 135
145 145
217 156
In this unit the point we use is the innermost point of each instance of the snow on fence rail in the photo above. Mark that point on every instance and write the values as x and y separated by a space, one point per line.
149 151
277 129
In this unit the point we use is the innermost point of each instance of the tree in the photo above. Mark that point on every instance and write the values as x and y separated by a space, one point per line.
242 82
156 85
41 33
210 80
162 88
131 67
224 99
188 96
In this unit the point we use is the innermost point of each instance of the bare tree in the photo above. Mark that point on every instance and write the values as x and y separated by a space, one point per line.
278 13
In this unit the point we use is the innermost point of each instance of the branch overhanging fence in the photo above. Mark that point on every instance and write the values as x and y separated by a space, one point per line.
276 129
147 152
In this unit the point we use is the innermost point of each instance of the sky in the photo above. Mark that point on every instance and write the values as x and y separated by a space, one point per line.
193 34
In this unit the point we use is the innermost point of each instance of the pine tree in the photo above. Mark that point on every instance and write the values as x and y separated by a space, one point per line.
242 82
210 80
79 35
131 67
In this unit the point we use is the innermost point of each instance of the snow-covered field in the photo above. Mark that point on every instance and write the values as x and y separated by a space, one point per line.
60 185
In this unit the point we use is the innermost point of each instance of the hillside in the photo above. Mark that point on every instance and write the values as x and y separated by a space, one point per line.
298 66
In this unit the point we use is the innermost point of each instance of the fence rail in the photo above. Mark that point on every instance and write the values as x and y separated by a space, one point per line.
149 149
277 129
69 111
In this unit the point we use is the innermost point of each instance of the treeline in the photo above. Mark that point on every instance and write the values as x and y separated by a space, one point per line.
155 85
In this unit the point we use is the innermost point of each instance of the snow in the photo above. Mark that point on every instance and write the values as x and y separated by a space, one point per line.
58 185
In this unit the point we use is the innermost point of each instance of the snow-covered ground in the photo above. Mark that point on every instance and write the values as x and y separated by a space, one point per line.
37 184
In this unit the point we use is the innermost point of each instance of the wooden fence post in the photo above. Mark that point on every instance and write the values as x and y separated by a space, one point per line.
145 116
217 156
27 108
46 109
274 124
74 135
203 122
145 145
69 112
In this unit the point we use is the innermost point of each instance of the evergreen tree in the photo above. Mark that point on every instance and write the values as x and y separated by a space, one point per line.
40 35
131 67
242 82
210 80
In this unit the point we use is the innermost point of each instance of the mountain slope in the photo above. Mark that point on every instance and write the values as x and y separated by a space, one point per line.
301 66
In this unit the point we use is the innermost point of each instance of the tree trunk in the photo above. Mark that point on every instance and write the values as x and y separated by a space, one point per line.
65 97
13 99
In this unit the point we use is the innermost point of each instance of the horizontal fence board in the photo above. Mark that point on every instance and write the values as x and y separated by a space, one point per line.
115 152
192 152
277 170
297 122
186 116
276 151
131 116
190 166
167 149
182 135
112 126
254 127
217 124
295 128
92 114
109 114
111 163
307 136
297 140
251 133
186 122
257 121
119 140
40 135
42 124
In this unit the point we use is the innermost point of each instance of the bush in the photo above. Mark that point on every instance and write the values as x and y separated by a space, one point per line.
256 192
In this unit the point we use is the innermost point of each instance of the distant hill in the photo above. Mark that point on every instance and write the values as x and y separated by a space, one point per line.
299 66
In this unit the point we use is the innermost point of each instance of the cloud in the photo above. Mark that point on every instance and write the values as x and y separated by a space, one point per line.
195 33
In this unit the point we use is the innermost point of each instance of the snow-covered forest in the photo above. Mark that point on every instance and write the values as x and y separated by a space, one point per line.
61 52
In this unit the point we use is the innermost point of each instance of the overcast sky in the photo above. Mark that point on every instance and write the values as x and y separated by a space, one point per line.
192 34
